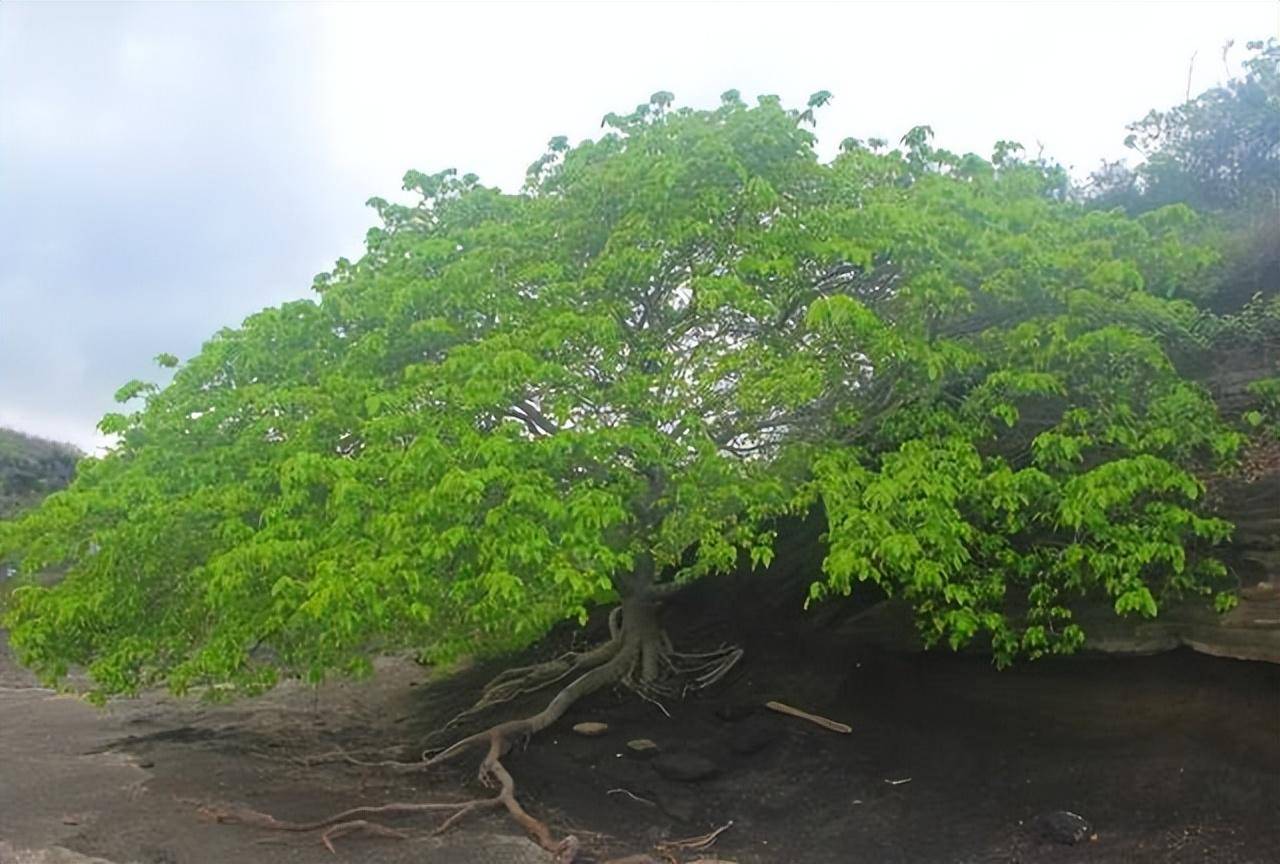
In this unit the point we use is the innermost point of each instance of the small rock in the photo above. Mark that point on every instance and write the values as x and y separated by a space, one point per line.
146 763
642 748
1062 826
751 738
685 767
590 729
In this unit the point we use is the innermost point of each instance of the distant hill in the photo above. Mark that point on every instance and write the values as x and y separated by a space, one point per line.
31 468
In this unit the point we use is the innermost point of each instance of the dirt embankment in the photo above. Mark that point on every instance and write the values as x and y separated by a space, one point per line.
1172 759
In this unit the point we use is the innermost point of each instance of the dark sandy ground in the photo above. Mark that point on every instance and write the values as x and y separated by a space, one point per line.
1174 759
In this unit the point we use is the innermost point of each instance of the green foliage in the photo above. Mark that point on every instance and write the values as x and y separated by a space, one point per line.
1252 329
512 407
1266 414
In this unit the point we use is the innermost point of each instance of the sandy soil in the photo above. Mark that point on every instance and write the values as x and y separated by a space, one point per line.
1173 759
126 783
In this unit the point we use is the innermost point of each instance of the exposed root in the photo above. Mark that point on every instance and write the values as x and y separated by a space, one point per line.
702 841
351 821
692 672
338 755
638 655
358 825
631 795
643 693
522 681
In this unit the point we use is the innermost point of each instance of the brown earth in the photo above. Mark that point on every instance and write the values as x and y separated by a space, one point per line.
1173 759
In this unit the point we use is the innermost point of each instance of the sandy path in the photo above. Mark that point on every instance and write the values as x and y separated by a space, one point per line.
68 796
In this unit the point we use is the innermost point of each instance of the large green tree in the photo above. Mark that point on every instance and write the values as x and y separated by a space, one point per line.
516 407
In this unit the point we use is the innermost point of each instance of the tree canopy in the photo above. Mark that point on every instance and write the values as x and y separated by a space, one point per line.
516 406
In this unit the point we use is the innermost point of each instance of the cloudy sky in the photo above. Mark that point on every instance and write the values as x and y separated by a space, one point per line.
167 169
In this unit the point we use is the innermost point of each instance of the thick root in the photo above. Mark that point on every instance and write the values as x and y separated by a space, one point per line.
525 680
638 655
502 734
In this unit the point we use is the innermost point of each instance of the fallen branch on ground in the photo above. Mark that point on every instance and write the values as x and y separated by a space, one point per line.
824 722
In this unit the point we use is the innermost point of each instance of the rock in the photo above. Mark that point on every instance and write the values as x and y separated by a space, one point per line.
752 737
733 712
642 748
679 806
1062 826
685 767
52 855
590 729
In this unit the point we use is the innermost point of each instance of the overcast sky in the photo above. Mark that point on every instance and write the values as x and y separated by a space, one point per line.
167 169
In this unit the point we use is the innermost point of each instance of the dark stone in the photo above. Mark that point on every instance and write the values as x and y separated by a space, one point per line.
1062 826
685 767
733 712
752 737
682 808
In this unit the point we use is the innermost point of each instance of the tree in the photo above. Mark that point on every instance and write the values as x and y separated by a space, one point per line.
516 407
1219 151
1220 154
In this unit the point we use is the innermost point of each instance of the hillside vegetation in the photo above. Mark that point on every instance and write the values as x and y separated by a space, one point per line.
30 469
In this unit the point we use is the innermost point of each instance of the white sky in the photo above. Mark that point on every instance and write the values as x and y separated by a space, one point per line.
167 169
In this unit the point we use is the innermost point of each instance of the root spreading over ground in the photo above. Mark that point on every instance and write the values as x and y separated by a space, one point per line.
638 655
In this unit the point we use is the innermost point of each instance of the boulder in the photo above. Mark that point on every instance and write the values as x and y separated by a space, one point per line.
1062 826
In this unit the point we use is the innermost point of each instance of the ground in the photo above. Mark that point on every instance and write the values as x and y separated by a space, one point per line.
1173 759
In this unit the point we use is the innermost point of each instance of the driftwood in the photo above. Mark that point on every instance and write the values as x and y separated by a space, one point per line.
825 723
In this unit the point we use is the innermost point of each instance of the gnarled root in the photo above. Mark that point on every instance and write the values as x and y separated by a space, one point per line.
638 655
351 821
512 684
